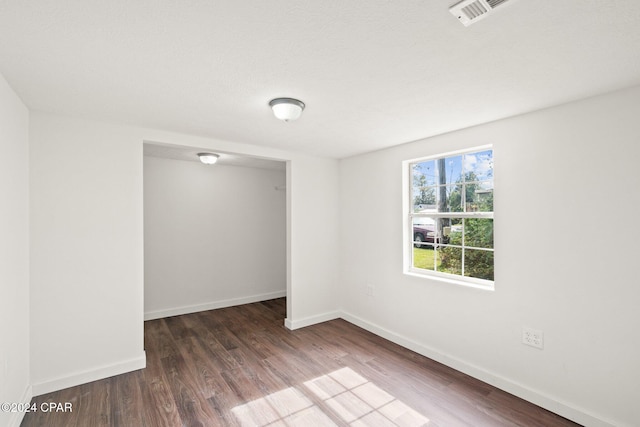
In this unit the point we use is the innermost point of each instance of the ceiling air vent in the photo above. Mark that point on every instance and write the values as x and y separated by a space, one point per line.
471 11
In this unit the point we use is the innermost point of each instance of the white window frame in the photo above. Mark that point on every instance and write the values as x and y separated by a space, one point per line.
409 215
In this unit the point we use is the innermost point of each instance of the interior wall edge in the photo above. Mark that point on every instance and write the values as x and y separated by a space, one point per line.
212 305
16 417
99 373
294 324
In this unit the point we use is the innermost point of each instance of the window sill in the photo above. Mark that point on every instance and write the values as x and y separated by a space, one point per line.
487 286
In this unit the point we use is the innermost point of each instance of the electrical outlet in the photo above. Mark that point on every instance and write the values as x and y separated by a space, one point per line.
369 289
532 337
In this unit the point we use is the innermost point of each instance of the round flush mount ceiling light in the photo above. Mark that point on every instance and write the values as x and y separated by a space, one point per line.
286 109
208 158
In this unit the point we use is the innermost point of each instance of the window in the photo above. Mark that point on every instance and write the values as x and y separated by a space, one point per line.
449 217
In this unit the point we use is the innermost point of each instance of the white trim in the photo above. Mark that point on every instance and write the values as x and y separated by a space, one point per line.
485 285
407 225
536 397
177 311
84 377
311 320
461 215
473 149
16 417
539 398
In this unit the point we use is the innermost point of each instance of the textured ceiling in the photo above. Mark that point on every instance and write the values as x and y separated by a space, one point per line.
372 73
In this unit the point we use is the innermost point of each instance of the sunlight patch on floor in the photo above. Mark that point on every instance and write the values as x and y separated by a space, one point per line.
347 395
283 408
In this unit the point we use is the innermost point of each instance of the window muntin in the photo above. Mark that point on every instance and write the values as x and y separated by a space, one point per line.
450 217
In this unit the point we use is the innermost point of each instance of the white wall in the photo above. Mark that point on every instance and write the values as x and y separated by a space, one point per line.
14 252
86 252
87 243
566 240
314 244
215 236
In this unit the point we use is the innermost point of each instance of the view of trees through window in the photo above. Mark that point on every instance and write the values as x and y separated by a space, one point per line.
452 214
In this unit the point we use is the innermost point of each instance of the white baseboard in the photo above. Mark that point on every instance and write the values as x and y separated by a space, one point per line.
91 375
550 403
311 320
536 397
177 311
16 417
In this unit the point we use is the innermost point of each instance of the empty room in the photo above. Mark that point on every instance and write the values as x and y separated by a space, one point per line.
285 213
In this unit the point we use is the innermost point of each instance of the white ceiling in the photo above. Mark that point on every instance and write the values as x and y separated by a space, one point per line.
372 73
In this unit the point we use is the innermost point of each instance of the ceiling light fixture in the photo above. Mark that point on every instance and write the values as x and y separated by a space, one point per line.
208 158
286 109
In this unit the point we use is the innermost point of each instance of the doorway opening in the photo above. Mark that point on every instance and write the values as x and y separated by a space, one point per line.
214 235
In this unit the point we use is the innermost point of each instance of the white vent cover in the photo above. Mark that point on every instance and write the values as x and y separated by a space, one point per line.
471 11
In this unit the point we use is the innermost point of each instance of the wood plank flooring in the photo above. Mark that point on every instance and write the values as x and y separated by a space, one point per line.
240 366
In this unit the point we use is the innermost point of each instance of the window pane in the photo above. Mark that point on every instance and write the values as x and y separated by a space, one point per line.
431 230
453 230
423 186
479 196
449 259
424 257
478 264
426 172
424 199
449 170
478 232
478 166
424 231
449 198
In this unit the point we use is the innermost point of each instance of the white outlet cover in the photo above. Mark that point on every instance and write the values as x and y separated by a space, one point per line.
533 337
369 289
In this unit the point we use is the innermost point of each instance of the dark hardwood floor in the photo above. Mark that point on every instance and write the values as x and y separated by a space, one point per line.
240 366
